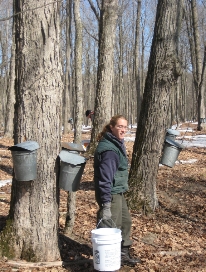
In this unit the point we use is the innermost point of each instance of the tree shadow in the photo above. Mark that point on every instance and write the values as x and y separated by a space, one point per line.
6 157
189 185
3 221
3 146
175 212
75 256
6 168
5 201
86 185
200 151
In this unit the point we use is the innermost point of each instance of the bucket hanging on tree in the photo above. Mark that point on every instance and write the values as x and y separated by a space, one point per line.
24 157
171 152
71 170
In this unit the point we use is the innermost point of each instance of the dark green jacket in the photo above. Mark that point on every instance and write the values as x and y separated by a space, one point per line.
119 183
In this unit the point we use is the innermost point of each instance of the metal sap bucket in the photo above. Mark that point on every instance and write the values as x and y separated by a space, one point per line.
24 157
73 147
171 152
172 134
71 170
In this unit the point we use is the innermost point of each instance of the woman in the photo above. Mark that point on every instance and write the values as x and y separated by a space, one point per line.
111 182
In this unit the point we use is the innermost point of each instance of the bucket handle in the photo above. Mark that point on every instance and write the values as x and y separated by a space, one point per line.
101 221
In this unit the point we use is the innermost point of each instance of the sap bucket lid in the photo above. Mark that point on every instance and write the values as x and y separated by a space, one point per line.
73 147
173 132
173 143
28 145
71 158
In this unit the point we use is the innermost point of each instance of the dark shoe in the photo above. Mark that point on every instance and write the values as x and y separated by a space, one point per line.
126 258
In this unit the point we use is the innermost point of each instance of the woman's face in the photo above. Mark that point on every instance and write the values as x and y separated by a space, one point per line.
119 129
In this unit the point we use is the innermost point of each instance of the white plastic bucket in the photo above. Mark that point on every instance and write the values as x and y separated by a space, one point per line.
106 244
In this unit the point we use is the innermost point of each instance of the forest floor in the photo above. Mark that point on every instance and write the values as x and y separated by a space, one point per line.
171 239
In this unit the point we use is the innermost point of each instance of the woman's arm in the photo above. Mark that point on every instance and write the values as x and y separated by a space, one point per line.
108 166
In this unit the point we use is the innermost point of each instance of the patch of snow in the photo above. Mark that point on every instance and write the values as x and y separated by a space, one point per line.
4 182
129 139
191 161
193 141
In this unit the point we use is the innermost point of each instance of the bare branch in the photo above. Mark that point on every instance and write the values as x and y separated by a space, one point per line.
92 36
94 9
99 4
10 17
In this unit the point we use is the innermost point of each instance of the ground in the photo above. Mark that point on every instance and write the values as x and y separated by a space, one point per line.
171 239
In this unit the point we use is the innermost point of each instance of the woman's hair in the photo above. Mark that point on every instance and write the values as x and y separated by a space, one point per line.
107 128
87 112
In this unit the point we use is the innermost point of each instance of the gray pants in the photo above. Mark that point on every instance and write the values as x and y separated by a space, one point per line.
121 217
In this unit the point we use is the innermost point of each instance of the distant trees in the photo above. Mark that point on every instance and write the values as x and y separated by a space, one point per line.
5 53
198 58
67 97
131 54
9 115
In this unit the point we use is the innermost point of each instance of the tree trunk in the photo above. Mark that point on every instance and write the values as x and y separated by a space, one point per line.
67 86
107 27
31 232
71 200
120 82
161 77
88 86
78 75
137 43
70 217
142 77
9 124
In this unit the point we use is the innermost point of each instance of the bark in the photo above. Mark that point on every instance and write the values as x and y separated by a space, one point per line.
142 78
66 94
120 84
32 229
9 124
107 26
88 86
70 217
137 43
71 200
163 71
129 89
4 70
78 75
178 90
